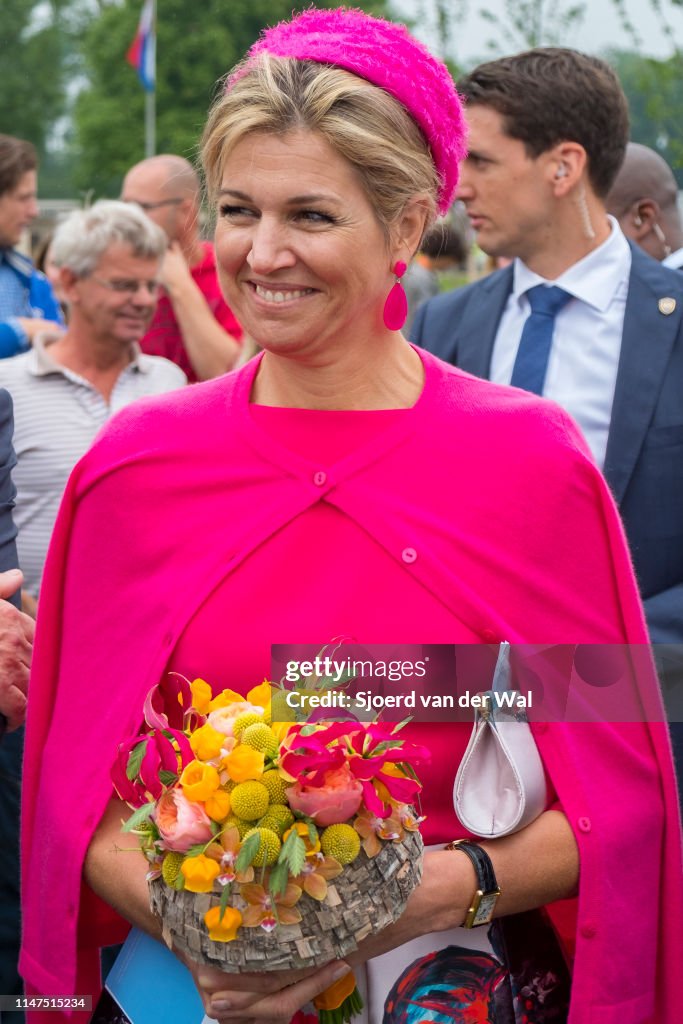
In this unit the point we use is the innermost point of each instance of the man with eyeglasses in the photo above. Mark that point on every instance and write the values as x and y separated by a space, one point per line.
68 385
193 325
64 389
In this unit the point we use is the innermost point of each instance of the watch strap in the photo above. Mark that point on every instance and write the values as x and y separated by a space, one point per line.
486 876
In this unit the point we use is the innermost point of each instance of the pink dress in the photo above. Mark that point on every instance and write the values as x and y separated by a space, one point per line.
477 514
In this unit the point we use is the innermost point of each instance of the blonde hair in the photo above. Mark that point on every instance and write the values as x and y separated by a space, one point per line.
362 122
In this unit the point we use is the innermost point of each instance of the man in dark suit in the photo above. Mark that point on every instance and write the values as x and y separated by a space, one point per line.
644 199
548 131
16 643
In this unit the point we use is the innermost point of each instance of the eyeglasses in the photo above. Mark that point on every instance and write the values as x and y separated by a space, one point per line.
154 206
124 286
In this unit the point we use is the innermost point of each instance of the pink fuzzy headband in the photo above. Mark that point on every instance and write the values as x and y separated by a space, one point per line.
386 55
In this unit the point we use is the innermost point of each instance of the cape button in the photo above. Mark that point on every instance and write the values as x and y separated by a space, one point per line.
584 824
320 478
489 637
409 555
588 930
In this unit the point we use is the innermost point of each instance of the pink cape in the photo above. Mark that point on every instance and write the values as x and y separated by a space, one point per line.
516 532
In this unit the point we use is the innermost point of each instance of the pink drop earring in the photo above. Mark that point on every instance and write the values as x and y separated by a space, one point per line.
396 307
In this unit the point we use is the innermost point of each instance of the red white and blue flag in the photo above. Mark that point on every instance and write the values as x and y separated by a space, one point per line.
141 52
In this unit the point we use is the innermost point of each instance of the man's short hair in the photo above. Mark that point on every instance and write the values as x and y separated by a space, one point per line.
550 95
84 236
16 158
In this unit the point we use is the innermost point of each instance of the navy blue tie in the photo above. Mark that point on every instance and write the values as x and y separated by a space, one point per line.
534 346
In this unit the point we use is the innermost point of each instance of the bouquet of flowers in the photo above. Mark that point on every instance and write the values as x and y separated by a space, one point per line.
272 844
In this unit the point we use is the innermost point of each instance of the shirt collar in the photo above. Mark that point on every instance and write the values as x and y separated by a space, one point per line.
41 363
19 263
674 260
596 279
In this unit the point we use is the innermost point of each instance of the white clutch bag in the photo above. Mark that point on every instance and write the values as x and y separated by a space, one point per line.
500 786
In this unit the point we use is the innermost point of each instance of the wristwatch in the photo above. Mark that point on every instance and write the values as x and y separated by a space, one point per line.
488 891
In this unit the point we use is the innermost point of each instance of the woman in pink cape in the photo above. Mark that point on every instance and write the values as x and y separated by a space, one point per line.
343 483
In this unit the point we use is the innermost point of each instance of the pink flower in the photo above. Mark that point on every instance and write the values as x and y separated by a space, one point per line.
223 719
182 824
336 800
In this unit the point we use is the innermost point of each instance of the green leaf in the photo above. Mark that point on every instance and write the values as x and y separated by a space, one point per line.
293 853
135 760
167 778
196 850
248 851
279 877
312 832
142 814
225 896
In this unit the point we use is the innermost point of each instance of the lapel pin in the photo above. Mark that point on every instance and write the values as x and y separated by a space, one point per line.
666 306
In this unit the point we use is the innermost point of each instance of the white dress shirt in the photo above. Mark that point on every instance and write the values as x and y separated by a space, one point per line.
674 260
582 368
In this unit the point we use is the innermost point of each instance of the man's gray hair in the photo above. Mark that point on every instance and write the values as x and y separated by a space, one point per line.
84 236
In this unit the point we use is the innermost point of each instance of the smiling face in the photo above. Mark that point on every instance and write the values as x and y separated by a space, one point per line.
103 313
18 207
507 194
301 255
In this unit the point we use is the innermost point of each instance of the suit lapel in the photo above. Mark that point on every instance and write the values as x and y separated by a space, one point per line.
476 331
647 340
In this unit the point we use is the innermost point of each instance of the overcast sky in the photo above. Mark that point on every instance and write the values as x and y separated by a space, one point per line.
599 30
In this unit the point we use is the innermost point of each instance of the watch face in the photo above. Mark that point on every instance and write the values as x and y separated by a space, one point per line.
484 913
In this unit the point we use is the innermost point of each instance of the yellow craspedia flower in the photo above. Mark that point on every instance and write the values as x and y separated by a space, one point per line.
261 694
269 849
341 842
225 928
280 711
244 763
201 695
199 873
199 781
171 865
261 737
242 722
249 800
218 805
278 817
276 786
241 824
207 742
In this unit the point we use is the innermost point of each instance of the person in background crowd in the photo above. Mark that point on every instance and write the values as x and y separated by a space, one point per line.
70 383
344 482
193 325
644 199
27 304
46 265
443 247
16 643
63 390
548 132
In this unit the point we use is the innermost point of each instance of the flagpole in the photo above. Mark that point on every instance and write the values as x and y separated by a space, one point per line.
151 94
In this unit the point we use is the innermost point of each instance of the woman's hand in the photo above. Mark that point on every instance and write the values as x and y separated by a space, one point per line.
439 902
271 997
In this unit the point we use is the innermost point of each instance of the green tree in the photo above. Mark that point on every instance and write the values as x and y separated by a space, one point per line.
528 23
655 94
32 56
196 45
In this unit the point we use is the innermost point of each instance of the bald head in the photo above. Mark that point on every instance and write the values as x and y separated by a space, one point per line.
167 188
644 199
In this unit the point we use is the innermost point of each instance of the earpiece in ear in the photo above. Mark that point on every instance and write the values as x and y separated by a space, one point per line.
561 172
637 221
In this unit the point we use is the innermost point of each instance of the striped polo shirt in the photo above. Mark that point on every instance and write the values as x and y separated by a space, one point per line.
57 414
